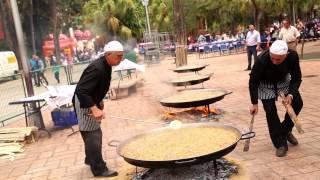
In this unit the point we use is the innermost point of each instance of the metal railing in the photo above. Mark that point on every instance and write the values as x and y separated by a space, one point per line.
13 87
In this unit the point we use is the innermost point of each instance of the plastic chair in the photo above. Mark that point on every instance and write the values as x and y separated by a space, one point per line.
206 50
224 48
215 48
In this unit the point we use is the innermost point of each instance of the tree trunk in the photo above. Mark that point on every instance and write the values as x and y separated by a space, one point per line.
9 30
206 24
312 12
180 31
260 15
53 5
22 48
32 29
257 14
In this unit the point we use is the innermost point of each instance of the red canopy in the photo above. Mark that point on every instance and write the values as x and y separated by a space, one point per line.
66 44
85 35
78 34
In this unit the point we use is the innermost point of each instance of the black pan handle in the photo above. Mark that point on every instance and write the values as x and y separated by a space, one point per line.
114 143
186 161
248 135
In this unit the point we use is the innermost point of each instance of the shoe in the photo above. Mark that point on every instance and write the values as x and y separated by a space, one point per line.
281 151
108 173
293 140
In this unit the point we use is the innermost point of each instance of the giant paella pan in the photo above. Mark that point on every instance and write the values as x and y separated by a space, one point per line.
189 80
189 68
189 144
194 98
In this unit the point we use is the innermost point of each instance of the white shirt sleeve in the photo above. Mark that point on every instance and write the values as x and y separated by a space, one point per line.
296 32
258 37
246 40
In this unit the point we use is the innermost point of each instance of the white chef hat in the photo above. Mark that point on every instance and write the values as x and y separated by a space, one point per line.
279 47
113 46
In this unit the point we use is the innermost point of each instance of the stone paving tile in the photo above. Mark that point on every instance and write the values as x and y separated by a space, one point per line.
42 173
11 178
308 176
5 172
24 177
19 171
62 156
267 175
57 173
307 168
285 170
66 162
39 178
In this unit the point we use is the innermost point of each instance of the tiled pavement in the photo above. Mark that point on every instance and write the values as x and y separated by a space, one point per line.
62 157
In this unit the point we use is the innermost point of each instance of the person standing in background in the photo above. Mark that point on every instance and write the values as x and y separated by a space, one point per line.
55 68
253 44
289 34
34 66
40 71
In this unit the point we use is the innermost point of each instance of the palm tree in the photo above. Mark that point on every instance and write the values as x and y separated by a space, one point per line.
116 17
161 15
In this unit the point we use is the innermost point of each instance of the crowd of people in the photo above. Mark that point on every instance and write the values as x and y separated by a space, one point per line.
38 66
306 30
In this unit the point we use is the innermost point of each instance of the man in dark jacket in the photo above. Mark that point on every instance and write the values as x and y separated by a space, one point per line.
277 70
88 102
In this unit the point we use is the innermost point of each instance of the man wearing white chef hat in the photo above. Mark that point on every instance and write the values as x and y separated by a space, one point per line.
277 70
88 103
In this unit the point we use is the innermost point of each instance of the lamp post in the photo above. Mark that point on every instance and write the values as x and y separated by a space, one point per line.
22 48
145 4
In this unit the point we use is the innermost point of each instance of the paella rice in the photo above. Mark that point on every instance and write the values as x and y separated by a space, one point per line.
179 144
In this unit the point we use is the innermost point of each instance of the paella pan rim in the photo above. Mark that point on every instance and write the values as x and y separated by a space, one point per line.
191 69
194 103
173 162
190 82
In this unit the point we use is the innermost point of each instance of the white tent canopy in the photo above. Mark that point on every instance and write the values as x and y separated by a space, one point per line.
127 64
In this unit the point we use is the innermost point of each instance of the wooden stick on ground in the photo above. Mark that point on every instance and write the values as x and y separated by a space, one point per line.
291 113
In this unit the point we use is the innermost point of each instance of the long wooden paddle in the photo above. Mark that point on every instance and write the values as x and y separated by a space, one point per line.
291 113
247 142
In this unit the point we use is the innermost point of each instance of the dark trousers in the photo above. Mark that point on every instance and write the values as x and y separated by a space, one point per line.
40 75
93 147
35 77
279 130
251 50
